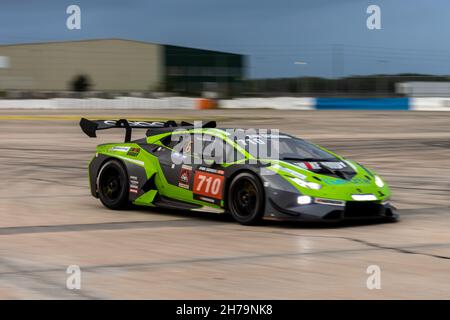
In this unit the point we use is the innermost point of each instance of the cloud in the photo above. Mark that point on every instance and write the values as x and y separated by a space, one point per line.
273 33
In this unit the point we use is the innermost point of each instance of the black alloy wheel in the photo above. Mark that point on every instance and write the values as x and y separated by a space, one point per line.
246 199
113 185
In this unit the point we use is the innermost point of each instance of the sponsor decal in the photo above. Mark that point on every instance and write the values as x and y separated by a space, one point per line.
334 165
134 184
136 123
317 165
185 177
361 181
309 165
334 182
207 199
134 152
207 184
119 149
211 170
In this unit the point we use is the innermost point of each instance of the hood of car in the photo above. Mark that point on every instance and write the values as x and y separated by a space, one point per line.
331 168
340 179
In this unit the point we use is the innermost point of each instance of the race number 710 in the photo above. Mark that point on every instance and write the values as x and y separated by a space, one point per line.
208 184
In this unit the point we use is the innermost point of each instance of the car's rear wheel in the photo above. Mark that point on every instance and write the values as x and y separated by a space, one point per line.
113 185
246 199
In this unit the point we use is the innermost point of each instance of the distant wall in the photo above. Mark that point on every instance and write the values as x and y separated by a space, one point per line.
110 64
430 104
362 104
284 103
119 103
269 103
424 88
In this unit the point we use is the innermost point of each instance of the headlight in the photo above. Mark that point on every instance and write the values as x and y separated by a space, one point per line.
306 184
304 200
379 182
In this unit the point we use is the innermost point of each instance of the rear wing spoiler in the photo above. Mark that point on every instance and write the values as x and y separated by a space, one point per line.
90 127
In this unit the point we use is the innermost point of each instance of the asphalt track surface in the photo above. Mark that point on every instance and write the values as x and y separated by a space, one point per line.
48 220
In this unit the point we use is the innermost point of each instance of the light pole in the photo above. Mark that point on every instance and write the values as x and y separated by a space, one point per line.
300 63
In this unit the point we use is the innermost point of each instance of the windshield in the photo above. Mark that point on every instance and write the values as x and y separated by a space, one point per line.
284 148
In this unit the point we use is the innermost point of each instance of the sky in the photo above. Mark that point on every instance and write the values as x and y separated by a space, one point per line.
331 36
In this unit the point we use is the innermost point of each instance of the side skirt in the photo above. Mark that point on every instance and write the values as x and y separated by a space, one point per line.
168 203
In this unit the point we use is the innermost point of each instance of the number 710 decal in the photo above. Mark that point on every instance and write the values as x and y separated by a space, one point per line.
208 184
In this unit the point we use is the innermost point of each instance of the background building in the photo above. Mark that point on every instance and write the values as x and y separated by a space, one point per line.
116 65
191 70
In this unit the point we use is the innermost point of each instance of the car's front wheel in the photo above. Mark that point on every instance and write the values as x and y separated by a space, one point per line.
246 199
112 185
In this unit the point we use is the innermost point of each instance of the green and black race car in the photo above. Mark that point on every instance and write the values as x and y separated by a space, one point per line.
177 166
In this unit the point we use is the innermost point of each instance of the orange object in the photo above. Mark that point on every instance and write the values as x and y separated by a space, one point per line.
208 184
203 104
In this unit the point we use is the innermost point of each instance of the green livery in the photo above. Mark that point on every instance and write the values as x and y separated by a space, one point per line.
182 166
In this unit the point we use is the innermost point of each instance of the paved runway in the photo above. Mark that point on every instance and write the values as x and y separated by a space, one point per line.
48 220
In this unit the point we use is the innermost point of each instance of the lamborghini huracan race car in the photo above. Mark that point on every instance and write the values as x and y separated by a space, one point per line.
177 166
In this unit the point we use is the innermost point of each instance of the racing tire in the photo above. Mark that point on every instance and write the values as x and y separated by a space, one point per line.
245 199
112 184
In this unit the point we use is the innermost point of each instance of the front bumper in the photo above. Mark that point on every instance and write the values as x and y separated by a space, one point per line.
352 210
281 204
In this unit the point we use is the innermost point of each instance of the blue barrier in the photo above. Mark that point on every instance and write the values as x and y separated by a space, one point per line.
362 104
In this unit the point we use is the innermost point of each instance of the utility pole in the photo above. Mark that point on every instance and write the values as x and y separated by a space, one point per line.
300 63
337 63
